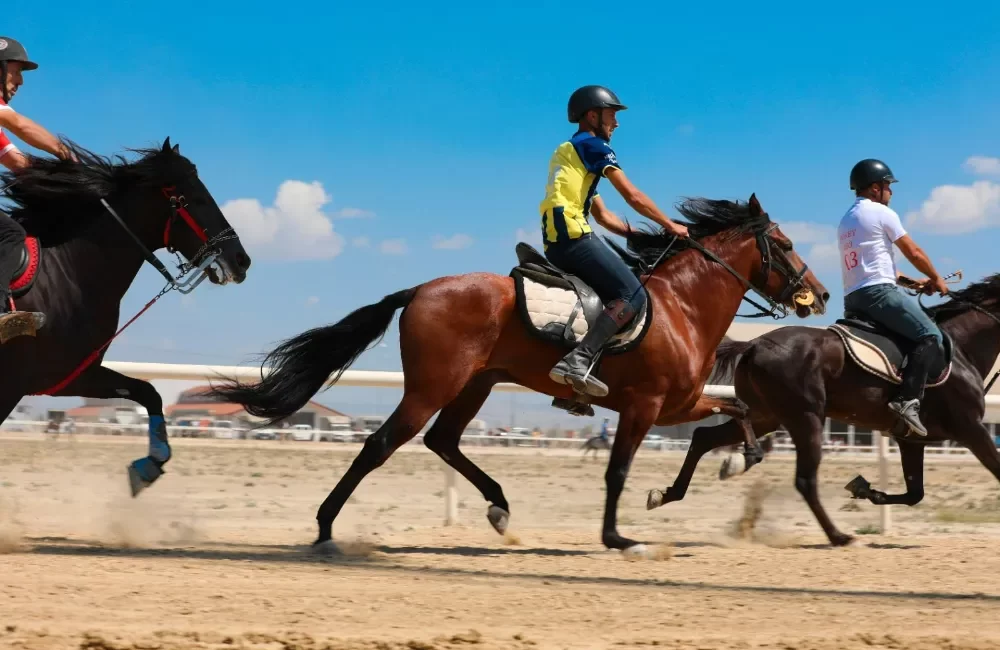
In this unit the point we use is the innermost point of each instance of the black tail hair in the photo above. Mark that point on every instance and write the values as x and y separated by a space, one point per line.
300 366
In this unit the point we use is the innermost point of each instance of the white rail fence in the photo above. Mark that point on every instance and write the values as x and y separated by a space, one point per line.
380 379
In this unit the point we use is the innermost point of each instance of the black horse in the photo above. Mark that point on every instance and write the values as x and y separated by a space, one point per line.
91 225
797 376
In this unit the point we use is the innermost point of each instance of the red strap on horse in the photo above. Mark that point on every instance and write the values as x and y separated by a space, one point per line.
93 355
181 209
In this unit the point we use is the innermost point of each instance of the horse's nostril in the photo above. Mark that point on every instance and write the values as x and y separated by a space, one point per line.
826 296
243 260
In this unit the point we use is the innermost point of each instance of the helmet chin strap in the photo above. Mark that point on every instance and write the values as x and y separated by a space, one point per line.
3 79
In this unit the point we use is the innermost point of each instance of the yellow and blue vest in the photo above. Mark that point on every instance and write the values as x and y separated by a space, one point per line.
574 171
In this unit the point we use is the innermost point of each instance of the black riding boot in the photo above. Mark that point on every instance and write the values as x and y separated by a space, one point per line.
918 367
574 369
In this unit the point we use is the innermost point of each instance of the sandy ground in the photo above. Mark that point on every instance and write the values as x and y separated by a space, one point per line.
216 555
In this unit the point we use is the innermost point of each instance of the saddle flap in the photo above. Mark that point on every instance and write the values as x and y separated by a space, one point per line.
562 310
880 352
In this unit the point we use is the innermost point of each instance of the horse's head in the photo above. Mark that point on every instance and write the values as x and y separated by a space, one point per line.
779 272
195 226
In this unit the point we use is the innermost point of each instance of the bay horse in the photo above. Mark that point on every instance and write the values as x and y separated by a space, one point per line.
91 225
460 335
794 377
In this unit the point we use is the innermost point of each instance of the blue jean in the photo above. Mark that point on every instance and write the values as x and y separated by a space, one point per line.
595 263
887 305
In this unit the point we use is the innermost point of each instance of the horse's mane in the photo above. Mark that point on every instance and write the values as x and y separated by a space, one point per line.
55 200
704 217
961 301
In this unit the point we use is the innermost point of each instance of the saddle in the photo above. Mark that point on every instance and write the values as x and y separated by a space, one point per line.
27 269
560 308
883 353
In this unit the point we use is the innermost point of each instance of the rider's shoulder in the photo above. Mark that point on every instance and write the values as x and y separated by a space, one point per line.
4 106
590 141
876 209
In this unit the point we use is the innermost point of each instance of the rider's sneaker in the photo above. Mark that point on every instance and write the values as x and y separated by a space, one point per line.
20 323
909 411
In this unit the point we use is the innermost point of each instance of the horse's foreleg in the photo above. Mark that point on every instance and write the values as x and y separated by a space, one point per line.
703 440
443 439
707 406
911 456
101 382
806 430
633 424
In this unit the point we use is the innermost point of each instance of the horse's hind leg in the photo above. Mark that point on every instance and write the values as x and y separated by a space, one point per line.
911 456
399 428
443 438
101 382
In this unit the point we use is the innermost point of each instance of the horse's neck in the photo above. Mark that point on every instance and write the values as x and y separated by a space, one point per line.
981 340
709 294
102 263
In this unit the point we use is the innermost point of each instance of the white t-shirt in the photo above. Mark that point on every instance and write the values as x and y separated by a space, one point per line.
865 238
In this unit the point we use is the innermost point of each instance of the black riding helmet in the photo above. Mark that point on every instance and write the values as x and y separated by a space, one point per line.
11 50
870 171
590 97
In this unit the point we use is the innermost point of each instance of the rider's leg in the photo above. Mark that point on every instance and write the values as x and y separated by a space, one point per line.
623 296
893 309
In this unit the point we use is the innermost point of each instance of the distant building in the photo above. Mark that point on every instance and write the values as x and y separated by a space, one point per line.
119 410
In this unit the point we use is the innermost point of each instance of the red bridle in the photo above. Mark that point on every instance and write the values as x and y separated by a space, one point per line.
178 207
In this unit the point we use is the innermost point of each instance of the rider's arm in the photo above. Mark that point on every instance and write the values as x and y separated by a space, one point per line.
32 133
642 203
917 256
607 218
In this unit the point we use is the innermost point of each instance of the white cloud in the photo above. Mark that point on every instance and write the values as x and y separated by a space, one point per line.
983 165
361 242
957 209
312 300
295 227
393 246
455 242
807 232
354 213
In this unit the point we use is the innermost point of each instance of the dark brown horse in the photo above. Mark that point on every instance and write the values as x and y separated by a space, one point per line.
795 377
460 335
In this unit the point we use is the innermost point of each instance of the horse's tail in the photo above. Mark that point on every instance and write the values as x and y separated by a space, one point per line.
300 366
727 355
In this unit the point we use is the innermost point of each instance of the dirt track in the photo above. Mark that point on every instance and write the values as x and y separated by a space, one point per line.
215 556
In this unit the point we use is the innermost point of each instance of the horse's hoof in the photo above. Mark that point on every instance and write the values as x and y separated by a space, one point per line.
499 518
733 465
654 499
326 549
842 539
636 552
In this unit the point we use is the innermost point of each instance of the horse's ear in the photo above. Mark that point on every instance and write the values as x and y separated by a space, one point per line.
166 144
177 148
755 209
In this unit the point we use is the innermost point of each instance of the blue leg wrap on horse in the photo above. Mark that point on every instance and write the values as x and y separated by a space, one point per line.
159 448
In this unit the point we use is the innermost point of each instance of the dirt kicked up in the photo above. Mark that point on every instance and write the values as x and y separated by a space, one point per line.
216 555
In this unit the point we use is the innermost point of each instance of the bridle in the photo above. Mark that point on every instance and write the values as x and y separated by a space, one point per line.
191 273
796 285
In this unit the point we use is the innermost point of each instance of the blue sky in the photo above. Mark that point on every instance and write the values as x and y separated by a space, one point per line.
416 136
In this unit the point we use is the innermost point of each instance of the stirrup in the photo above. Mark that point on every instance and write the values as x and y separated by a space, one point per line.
578 406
